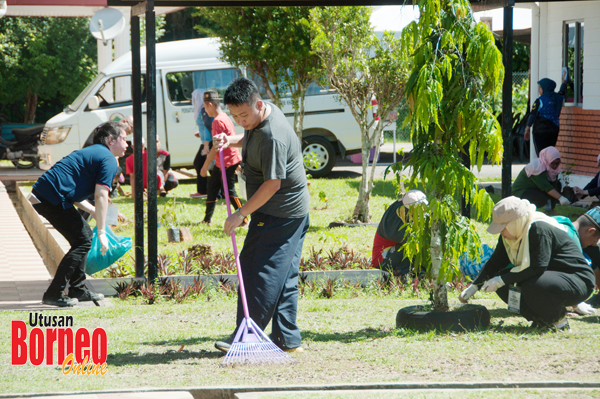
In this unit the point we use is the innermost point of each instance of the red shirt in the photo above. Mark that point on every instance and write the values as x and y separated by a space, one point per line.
129 168
379 245
231 156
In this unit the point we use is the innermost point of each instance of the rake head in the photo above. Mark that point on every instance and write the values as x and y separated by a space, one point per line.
252 346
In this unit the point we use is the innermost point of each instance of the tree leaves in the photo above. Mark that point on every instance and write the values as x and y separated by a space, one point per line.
51 57
456 70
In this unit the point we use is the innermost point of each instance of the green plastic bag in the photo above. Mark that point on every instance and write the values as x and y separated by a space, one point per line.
117 247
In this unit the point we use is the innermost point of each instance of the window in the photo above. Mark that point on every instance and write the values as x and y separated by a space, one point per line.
182 84
116 92
573 61
313 88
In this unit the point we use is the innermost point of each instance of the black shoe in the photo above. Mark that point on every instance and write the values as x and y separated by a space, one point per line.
224 346
86 296
63 301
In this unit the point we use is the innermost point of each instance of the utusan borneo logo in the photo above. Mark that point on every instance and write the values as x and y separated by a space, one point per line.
52 340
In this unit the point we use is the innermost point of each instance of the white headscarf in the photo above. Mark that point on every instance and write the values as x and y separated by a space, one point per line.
518 249
197 101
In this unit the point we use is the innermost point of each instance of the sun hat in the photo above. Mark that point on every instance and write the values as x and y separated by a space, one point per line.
505 211
414 197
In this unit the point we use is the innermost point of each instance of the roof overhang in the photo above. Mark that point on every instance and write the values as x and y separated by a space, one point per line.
67 8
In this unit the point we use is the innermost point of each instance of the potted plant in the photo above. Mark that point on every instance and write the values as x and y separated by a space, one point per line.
456 70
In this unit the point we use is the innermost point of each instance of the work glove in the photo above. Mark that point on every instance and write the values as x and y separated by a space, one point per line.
584 309
468 293
103 242
564 201
492 284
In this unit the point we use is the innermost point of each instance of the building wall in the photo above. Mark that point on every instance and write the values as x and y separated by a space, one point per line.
556 15
579 138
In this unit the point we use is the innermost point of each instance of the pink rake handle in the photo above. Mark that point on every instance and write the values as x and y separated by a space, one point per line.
235 250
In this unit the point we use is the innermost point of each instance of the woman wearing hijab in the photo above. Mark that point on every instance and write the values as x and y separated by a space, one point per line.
545 114
536 256
204 123
538 181
592 188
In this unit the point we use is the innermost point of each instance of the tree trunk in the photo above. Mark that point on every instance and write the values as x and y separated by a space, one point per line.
361 210
30 107
440 296
299 115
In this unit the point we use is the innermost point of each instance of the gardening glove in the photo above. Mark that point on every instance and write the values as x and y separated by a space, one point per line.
468 293
585 309
103 242
563 201
492 284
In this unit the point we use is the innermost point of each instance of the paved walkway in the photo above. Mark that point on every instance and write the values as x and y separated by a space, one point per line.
23 275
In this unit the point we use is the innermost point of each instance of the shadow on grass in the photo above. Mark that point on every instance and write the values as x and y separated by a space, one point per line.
349 336
503 313
593 319
342 174
129 359
167 356
382 188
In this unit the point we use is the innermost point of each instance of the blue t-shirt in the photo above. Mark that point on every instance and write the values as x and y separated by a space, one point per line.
74 178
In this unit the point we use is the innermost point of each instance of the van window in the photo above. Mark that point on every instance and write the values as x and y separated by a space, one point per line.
182 84
313 88
116 92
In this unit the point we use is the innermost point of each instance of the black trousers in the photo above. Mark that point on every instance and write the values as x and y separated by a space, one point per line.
270 261
201 182
544 297
545 134
395 262
539 198
214 188
78 233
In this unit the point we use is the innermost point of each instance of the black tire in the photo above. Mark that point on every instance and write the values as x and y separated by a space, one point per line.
466 318
323 150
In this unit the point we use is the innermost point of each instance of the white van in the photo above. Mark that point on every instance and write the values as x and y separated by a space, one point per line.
182 66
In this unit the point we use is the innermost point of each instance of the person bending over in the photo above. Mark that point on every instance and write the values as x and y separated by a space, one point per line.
69 182
535 255
538 181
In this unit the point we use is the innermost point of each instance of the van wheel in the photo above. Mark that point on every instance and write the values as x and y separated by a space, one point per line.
322 152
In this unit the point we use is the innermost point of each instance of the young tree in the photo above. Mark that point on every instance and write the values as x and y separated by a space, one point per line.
44 58
360 67
271 42
456 69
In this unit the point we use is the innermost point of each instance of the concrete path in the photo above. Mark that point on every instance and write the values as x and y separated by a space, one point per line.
23 275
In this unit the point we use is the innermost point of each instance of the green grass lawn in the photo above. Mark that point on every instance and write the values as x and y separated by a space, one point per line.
341 197
348 339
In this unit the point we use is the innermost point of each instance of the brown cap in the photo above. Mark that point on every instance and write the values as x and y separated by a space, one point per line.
211 95
507 210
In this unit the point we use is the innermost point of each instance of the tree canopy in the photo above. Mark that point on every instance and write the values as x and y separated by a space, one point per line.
456 69
361 67
43 60
273 43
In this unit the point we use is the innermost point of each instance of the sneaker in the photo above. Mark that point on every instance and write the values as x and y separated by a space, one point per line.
87 296
297 349
63 301
563 325
198 195
224 346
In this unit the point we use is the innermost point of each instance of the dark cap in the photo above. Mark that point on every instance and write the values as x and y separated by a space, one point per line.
594 216
211 95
